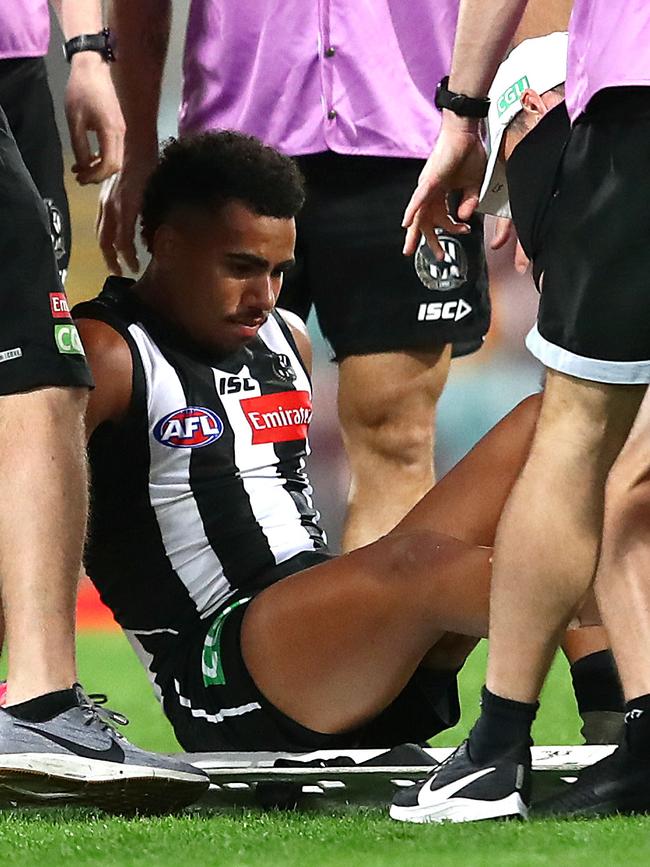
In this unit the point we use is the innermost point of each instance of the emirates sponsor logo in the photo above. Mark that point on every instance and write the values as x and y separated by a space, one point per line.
278 418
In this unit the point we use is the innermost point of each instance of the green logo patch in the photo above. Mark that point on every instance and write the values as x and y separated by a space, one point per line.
67 339
512 94
211 664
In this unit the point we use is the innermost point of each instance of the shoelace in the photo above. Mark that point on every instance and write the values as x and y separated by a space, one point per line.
95 712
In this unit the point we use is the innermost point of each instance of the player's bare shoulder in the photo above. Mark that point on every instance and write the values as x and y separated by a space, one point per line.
111 364
300 335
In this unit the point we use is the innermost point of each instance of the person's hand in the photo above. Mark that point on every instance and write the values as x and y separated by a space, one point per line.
504 230
120 201
92 106
456 163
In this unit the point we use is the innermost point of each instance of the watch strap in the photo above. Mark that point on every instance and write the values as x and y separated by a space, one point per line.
459 103
99 42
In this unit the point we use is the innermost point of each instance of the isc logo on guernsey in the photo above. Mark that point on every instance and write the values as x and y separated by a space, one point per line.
189 428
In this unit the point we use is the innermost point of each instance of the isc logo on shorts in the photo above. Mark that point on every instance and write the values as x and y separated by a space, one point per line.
278 418
453 310
189 428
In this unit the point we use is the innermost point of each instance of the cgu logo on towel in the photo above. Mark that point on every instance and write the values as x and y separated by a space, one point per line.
278 418
192 427
512 94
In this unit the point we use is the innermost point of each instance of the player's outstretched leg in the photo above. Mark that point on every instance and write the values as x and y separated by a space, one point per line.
333 646
70 753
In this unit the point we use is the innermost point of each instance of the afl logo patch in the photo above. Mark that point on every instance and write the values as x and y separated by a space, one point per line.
189 428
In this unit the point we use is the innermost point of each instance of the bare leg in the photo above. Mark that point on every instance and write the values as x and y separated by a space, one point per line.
548 539
387 405
43 470
333 645
622 584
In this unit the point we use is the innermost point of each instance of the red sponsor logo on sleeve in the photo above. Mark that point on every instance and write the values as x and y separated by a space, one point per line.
278 418
59 305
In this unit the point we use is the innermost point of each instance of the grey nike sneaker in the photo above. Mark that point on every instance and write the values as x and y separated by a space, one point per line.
77 757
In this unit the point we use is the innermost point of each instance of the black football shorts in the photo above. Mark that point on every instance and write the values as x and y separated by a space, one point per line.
213 703
27 103
39 344
592 245
349 264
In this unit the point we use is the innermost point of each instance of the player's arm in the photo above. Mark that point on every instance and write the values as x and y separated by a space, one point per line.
90 101
300 335
542 17
141 31
110 361
458 160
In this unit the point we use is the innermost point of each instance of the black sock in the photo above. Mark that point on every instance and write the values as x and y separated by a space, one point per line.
502 726
637 726
44 707
596 684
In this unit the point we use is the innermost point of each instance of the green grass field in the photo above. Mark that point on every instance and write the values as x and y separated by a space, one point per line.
361 838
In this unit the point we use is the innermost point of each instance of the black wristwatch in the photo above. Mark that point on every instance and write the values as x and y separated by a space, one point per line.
99 42
464 106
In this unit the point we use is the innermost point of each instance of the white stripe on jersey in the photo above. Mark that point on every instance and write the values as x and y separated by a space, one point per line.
271 503
190 553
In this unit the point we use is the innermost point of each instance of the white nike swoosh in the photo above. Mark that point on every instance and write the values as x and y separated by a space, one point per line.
451 788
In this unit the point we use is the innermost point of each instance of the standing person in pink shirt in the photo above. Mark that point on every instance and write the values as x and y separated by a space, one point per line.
578 514
347 88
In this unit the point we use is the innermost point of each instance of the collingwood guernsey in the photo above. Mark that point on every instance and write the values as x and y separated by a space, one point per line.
199 495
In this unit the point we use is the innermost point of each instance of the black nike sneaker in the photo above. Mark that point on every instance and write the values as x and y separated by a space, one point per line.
619 783
78 757
460 790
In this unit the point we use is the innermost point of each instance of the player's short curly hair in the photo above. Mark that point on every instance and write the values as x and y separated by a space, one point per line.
208 170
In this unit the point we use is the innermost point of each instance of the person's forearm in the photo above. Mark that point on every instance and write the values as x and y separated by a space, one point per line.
141 33
484 32
542 17
78 16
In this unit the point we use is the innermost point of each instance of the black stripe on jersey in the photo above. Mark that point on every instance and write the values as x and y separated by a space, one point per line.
288 467
233 531
129 574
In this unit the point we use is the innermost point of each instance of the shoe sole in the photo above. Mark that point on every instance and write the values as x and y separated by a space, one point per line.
462 810
53 779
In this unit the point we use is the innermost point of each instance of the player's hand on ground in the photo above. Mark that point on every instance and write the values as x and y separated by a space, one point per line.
91 105
504 230
456 163
120 201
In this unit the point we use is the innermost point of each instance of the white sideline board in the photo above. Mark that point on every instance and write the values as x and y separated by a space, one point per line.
247 777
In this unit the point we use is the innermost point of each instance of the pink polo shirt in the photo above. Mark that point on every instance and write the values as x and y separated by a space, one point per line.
609 46
24 28
352 76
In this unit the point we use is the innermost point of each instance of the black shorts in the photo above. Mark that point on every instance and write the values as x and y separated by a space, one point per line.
214 705
27 103
593 265
349 264
39 344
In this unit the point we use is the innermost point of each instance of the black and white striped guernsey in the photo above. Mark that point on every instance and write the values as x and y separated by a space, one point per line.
200 493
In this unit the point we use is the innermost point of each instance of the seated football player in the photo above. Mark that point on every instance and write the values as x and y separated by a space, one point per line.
204 539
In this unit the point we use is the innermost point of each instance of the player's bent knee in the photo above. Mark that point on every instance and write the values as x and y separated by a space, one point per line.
406 557
627 502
